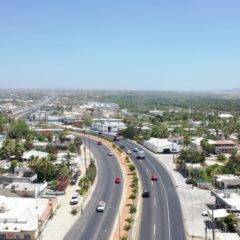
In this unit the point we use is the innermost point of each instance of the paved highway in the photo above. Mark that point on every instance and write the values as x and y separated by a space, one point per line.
98 226
161 214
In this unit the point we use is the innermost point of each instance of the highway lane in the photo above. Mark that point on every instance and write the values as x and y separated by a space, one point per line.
98 226
161 214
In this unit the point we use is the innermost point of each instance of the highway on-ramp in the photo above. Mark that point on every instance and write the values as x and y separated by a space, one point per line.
92 225
161 214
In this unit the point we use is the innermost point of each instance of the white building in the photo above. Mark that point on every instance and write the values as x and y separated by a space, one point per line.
225 115
111 125
23 218
34 153
23 189
158 145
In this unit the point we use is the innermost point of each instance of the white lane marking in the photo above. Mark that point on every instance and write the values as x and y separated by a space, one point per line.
154 201
166 197
154 229
147 170
152 182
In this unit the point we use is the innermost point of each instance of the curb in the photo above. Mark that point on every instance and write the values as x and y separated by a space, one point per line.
137 220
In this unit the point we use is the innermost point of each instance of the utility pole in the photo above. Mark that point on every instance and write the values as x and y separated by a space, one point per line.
213 228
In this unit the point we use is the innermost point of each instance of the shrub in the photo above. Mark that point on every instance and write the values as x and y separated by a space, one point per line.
132 196
131 167
129 220
127 227
132 209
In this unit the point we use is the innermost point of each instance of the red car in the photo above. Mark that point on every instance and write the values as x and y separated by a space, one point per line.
117 180
154 178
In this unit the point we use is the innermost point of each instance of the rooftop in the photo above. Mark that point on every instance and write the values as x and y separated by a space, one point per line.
18 214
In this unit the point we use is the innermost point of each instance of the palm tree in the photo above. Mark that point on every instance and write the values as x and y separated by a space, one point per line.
46 164
18 149
33 163
78 143
68 157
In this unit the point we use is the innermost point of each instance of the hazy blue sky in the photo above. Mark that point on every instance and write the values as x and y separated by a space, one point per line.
120 44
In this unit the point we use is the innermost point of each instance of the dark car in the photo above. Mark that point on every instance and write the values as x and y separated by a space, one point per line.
146 193
73 181
99 143
75 176
188 181
121 146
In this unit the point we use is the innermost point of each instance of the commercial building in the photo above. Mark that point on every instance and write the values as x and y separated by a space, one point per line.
108 125
158 145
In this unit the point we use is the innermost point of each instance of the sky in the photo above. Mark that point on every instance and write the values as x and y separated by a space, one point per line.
124 44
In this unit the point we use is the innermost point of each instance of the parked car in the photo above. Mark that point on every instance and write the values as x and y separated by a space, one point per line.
74 200
101 206
154 178
110 154
99 143
146 193
188 181
78 172
73 181
117 180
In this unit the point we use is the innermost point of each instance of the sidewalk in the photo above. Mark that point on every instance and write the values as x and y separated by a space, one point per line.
193 200
63 220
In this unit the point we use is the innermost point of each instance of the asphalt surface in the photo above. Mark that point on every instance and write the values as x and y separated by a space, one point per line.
161 213
98 226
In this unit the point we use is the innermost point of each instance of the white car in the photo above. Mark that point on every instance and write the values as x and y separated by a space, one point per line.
135 149
74 200
101 206
110 153
129 151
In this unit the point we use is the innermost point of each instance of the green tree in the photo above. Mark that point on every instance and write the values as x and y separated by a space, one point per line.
130 132
18 149
191 156
88 121
7 149
78 143
13 165
206 147
159 131
18 129
72 148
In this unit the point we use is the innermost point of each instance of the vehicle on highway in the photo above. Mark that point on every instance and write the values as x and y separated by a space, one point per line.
128 151
135 149
121 146
74 200
110 154
154 178
146 193
101 206
117 180
141 155
99 143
